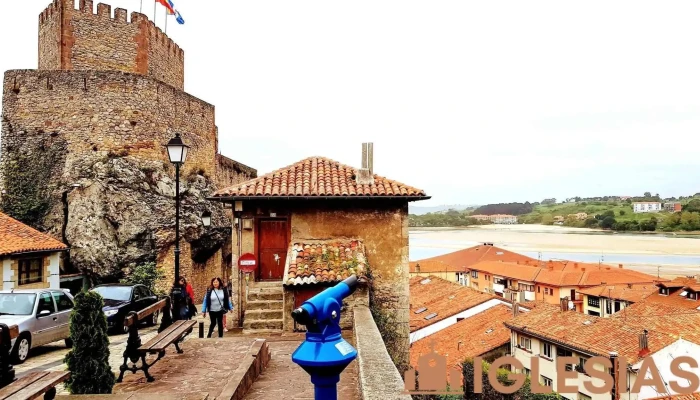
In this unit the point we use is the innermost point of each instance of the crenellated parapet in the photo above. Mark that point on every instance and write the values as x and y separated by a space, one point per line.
87 39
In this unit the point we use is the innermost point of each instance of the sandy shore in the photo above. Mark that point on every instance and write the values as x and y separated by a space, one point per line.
556 239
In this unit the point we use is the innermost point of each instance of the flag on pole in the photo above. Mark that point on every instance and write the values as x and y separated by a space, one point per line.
172 11
166 4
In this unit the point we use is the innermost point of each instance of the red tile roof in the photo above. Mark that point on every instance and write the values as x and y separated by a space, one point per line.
472 255
318 177
432 266
16 237
673 299
620 332
567 276
632 293
694 396
468 338
441 297
324 261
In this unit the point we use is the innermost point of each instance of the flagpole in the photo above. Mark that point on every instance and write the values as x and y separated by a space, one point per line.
141 8
166 21
155 3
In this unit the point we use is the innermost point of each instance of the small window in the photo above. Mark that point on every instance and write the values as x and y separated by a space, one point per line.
547 350
582 396
475 274
420 310
546 381
431 316
663 291
593 302
527 371
63 302
31 271
525 343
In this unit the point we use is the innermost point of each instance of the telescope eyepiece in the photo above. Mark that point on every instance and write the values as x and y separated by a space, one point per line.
301 316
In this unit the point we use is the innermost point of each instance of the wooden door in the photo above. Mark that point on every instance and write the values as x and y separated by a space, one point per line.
573 295
272 248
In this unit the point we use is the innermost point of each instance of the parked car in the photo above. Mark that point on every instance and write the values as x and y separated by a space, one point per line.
121 299
42 315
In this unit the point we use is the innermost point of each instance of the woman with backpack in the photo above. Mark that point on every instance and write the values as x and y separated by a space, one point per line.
191 308
217 303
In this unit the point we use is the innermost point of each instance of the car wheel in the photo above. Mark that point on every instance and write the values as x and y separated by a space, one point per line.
69 343
21 351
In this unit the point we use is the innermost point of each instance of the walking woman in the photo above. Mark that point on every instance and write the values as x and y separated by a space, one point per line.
191 309
217 303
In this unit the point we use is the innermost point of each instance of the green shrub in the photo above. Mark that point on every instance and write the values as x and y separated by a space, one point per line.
147 274
88 361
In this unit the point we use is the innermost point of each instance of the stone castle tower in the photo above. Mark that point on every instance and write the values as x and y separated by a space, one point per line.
82 153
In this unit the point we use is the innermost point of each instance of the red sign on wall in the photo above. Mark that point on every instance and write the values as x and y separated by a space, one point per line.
247 263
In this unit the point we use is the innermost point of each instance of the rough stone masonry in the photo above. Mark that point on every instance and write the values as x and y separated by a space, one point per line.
82 153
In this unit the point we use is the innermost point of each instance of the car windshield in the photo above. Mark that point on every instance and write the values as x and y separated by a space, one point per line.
17 303
121 293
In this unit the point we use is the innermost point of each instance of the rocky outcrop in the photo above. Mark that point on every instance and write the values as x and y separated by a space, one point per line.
123 213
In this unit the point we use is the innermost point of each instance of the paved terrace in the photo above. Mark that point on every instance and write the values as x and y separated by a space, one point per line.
207 368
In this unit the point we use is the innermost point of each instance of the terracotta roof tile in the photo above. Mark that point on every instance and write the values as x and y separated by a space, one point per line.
324 261
620 332
430 266
317 177
16 237
468 338
674 299
514 271
472 255
694 396
632 293
432 295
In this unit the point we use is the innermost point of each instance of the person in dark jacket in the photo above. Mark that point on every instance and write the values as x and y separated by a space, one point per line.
217 302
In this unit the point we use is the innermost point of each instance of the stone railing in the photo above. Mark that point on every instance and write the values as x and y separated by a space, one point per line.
378 376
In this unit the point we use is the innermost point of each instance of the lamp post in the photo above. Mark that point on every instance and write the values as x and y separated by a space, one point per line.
177 152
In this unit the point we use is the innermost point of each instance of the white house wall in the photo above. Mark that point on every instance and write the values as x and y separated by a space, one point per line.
54 271
662 359
447 322
8 279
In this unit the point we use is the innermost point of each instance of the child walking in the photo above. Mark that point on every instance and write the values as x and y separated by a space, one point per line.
217 303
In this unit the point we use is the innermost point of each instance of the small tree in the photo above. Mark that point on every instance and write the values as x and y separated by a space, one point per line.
147 274
88 361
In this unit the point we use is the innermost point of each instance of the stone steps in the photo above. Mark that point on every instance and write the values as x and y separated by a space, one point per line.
260 315
264 305
275 285
265 295
257 325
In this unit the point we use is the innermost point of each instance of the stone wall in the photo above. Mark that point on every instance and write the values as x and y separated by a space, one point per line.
81 39
230 172
383 228
379 378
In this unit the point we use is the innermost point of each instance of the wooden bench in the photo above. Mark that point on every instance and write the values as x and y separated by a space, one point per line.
169 333
33 385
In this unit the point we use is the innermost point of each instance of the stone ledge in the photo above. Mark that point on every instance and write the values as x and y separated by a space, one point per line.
379 378
258 358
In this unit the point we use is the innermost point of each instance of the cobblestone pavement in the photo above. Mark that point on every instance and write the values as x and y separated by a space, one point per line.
285 380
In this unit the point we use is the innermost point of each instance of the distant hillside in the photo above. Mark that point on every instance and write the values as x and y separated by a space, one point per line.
417 210
504 208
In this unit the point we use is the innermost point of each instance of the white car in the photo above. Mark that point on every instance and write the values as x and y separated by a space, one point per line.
42 315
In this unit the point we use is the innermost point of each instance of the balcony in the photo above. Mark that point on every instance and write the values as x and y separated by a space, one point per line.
578 298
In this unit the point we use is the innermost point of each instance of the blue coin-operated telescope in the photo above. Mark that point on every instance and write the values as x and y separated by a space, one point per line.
324 354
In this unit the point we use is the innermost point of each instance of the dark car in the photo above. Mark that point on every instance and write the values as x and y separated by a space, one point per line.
121 299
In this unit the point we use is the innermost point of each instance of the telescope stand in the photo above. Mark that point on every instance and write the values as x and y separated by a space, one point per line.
325 387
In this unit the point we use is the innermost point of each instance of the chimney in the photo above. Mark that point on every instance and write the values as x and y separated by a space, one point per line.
644 344
418 268
607 268
575 265
365 175
583 269
516 308
619 265
564 304
459 344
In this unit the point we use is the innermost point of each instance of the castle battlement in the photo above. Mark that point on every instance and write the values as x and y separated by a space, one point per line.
81 38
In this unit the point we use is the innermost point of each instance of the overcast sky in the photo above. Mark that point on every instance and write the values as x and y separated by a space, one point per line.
472 101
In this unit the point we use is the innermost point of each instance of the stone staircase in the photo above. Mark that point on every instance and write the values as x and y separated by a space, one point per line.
264 308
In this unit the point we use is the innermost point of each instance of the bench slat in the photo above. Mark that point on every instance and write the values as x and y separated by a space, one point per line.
169 336
128 321
161 335
40 386
21 383
173 336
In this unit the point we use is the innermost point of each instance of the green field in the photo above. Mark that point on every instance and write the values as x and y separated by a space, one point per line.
623 211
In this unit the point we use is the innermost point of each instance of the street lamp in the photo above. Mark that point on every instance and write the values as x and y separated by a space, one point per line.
206 219
177 152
